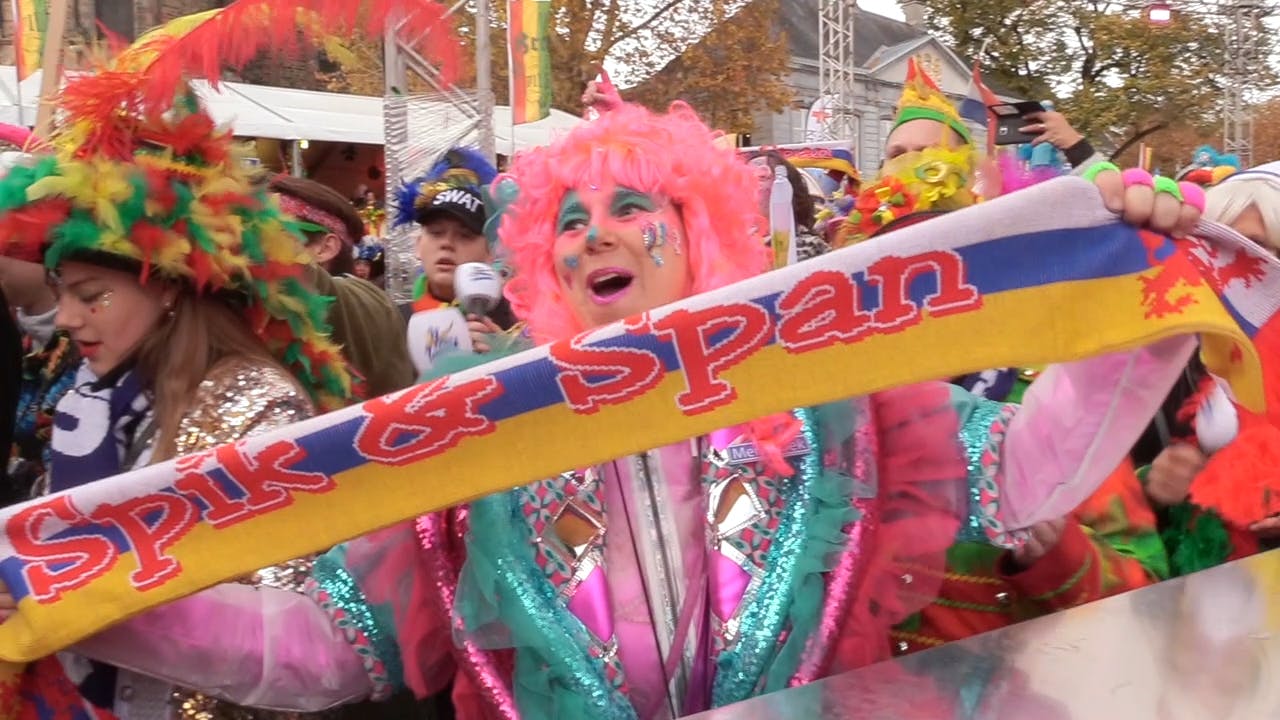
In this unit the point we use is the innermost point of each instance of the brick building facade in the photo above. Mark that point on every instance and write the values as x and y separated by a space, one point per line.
130 18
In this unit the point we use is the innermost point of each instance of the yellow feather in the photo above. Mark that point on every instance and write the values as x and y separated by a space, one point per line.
108 216
51 186
143 52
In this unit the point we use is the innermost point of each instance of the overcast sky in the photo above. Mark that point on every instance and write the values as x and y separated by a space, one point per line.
888 8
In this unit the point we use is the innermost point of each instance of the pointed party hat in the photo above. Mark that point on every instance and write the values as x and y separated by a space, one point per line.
922 100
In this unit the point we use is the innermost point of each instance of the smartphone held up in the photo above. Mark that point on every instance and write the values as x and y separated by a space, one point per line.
1011 118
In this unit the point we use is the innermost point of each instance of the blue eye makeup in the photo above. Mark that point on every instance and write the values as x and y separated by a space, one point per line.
627 201
573 214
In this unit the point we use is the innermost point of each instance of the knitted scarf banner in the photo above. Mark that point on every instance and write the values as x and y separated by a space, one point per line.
912 306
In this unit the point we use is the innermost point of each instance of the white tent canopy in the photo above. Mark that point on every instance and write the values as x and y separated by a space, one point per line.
288 114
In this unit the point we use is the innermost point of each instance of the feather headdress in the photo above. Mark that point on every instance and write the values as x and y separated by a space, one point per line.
165 192
204 44
460 167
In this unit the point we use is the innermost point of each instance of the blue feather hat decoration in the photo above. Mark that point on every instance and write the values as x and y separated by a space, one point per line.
460 167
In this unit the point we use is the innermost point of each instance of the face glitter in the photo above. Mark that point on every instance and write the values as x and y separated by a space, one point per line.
102 303
655 237
675 239
571 262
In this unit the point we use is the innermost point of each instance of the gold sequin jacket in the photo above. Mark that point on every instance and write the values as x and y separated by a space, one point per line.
240 397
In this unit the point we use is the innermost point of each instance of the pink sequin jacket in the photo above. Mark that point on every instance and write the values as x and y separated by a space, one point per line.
670 581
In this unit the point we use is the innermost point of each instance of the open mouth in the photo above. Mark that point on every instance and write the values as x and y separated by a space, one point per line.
609 284
88 350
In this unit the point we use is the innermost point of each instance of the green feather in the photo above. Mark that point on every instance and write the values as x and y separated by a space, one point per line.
183 202
299 357
1196 539
80 233
201 237
135 208
251 240
14 186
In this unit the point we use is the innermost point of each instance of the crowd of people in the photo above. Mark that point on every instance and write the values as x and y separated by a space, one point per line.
160 298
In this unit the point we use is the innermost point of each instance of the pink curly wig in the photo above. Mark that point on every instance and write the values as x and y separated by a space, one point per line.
672 154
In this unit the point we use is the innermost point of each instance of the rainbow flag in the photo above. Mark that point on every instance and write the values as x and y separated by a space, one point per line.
1002 284
31 23
529 51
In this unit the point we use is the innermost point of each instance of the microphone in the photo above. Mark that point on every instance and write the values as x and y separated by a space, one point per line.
478 288
1217 422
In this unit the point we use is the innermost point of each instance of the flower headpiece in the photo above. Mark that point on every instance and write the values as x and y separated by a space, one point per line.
1209 167
459 168
922 100
936 178
164 191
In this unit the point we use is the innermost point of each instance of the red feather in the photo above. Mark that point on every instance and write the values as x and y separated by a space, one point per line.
24 232
110 104
149 239
226 41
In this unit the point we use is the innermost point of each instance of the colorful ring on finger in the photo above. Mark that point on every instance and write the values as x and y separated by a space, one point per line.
1168 186
1097 169
1193 195
1137 176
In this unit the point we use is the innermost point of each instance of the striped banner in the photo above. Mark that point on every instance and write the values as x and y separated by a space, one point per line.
31 20
529 51
1001 284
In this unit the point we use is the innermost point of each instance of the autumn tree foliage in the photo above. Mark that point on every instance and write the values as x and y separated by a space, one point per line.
1266 131
724 56
1121 80
738 68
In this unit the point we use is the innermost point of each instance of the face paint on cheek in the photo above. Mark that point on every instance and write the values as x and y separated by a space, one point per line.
673 236
655 237
571 262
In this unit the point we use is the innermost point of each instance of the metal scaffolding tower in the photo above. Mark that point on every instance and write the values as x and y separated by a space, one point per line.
420 128
836 67
1244 57
400 57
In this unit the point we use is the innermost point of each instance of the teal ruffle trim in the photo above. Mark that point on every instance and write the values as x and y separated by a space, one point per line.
505 601
808 543
831 511
374 623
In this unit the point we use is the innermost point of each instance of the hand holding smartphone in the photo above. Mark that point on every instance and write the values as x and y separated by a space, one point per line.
1011 118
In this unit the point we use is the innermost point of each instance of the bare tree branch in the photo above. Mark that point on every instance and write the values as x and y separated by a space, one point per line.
1137 137
639 27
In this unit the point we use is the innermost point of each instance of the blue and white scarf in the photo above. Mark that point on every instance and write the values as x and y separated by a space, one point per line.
94 426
